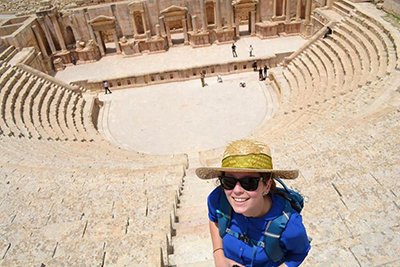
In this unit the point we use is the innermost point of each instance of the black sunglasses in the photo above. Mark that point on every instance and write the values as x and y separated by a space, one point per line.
247 183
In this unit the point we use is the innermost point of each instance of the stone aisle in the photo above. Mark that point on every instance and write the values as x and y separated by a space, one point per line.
192 234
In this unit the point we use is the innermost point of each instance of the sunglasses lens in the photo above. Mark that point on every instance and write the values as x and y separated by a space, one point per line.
249 183
228 183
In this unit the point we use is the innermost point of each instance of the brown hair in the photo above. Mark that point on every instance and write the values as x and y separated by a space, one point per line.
266 177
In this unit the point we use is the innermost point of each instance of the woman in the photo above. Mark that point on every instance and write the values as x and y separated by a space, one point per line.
242 235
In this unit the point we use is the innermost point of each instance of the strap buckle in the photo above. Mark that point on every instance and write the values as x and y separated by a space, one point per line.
245 239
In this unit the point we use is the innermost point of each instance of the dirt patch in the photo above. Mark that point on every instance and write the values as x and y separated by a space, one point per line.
392 19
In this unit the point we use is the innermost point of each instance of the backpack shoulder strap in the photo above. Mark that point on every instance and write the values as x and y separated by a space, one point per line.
224 214
273 233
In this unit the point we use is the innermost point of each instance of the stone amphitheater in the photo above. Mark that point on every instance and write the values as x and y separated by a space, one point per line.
73 195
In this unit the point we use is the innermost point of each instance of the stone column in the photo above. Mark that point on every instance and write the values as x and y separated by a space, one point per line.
283 8
298 10
58 32
40 41
116 42
76 26
330 4
162 25
237 22
185 31
203 16
144 21
48 35
253 23
100 43
135 31
229 13
91 32
194 24
274 9
168 34
288 11
219 17
308 12
258 13
158 32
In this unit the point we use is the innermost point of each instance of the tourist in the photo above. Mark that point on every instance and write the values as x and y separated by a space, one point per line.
260 74
242 84
328 32
234 50
265 71
246 207
202 78
106 89
219 78
254 65
251 50
73 60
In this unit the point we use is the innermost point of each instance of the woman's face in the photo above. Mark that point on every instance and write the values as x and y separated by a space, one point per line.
248 203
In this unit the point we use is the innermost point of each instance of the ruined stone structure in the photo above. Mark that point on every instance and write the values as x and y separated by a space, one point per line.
87 33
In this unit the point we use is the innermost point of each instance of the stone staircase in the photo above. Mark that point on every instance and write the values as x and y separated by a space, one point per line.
191 242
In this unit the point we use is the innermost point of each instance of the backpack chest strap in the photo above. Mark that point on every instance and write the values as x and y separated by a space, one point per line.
273 232
245 239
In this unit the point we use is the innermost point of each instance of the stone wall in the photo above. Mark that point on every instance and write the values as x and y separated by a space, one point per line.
175 75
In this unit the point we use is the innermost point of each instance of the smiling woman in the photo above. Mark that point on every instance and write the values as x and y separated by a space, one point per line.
251 222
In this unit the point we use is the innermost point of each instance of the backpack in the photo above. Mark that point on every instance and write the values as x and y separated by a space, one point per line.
274 228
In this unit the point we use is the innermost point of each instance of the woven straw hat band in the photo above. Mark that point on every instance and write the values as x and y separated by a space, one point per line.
251 161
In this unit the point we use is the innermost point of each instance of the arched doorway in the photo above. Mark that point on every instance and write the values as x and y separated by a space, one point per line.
70 38
175 23
245 17
106 35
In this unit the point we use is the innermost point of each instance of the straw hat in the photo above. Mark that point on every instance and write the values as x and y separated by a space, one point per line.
246 156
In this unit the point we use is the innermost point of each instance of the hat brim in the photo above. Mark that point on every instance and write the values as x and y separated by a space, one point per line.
214 172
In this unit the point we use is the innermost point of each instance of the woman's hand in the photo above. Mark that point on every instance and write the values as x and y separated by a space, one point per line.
221 261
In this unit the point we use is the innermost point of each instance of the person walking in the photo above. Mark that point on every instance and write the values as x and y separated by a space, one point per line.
73 60
260 74
265 71
254 65
106 89
251 50
202 78
234 50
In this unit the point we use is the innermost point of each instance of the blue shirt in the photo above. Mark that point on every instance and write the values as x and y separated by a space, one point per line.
294 241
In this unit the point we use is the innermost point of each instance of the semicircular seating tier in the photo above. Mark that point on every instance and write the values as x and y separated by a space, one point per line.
68 196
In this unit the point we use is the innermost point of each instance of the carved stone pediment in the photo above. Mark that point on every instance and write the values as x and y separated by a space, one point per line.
245 2
136 6
174 11
102 22
244 5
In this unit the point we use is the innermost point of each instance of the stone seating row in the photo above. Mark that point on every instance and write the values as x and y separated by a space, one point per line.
34 107
8 52
64 155
72 211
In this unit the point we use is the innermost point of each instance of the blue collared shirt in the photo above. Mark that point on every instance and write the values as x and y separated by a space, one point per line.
294 241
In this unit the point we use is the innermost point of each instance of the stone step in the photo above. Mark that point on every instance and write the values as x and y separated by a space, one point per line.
183 253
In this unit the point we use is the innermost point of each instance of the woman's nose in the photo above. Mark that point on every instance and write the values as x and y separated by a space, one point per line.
238 188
